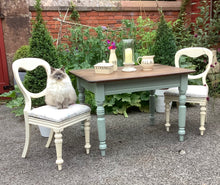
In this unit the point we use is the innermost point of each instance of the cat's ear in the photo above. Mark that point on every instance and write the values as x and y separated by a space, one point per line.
63 68
52 69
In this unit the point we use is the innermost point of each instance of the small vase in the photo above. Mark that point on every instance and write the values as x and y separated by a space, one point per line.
113 59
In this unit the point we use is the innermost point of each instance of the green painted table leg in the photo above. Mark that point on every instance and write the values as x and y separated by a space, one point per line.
100 98
152 107
101 127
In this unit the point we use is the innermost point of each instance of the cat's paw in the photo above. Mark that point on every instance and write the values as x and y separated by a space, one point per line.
59 107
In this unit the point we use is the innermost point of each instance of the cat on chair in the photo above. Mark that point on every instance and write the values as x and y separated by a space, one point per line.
60 92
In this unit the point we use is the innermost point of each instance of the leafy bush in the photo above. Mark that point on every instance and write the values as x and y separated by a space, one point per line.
182 29
206 28
16 101
146 33
204 32
164 47
41 46
22 52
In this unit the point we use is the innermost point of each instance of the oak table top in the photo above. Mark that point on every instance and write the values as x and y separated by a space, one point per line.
158 71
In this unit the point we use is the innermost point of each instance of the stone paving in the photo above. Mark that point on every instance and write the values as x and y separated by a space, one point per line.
137 153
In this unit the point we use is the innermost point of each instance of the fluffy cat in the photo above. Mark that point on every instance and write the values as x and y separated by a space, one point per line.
60 92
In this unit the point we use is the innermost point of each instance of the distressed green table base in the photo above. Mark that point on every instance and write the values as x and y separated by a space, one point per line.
124 82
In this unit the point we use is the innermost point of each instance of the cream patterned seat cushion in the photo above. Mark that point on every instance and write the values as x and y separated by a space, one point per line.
51 113
199 91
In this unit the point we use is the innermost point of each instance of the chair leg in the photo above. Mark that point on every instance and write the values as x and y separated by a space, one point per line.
58 142
50 138
27 139
202 118
82 128
87 135
167 113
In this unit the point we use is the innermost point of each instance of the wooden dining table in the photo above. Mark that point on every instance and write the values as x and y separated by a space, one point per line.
118 82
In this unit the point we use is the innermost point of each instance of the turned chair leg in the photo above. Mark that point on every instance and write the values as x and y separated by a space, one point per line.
87 135
58 143
202 118
82 128
167 113
27 139
50 138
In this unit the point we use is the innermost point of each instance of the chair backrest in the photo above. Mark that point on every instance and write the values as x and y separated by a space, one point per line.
195 52
29 64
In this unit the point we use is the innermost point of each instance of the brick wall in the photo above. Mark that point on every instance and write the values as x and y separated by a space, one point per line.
101 18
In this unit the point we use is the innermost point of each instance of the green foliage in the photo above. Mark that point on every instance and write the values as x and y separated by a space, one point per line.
16 99
182 29
41 46
146 33
164 47
206 28
74 14
214 77
16 102
22 52
120 103
204 32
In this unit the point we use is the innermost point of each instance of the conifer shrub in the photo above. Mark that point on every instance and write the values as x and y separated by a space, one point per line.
41 46
164 47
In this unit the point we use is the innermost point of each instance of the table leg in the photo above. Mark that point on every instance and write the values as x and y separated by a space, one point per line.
100 98
81 98
152 106
182 108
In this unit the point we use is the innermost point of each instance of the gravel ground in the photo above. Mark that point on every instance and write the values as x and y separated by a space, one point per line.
137 153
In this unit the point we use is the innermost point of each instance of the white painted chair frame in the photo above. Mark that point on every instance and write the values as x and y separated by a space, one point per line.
30 64
193 52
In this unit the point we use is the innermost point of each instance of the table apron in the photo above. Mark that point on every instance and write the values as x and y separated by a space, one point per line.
133 85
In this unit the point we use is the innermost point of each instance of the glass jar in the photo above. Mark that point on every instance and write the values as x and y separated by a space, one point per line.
128 51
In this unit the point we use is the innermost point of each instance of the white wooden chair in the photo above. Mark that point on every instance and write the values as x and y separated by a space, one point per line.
49 116
195 93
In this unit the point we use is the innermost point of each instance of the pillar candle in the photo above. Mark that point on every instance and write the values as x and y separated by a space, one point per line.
128 56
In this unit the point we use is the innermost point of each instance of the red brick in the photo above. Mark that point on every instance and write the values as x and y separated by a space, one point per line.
92 21
92 18
54 27
53 14
93 13
33 14
106 13
102 17
118 17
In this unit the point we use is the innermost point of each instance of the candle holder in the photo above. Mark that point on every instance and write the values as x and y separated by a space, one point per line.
128 67
128 55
